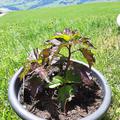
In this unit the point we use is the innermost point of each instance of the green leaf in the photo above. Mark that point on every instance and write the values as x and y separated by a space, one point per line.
25 71
72 77
45 53
65 94
57 81
62 36
74 34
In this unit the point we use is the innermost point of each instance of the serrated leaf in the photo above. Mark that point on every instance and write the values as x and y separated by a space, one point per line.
45 53
54 42
57 81
86 42
42 73
53 54
62 37
74 34
65 94
89 56
86 77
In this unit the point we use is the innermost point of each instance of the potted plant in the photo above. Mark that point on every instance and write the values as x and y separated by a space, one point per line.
53 86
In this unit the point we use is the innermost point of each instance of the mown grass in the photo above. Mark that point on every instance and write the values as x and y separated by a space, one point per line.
21 31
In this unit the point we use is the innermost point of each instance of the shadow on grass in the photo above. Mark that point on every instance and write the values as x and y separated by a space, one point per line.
118 30
106 117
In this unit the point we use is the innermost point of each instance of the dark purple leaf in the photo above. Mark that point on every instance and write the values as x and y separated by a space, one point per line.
89 56
67 31
42 73
86 77
34 54
54 42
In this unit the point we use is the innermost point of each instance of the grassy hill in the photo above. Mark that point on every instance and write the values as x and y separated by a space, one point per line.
23 30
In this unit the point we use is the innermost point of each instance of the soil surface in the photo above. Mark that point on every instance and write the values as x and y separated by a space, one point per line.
81 106
86 101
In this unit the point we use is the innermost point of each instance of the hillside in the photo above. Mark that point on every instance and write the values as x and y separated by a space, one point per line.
31 4
76 11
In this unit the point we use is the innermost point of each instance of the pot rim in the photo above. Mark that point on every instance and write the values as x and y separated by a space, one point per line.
29 116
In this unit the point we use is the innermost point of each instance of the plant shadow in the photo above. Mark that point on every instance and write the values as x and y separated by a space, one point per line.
106 117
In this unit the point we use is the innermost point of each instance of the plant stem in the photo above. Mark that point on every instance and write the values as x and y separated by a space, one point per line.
68 60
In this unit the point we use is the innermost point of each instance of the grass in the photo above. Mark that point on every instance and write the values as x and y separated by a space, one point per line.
21 31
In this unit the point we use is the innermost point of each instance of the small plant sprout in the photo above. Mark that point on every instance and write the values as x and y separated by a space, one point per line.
51 70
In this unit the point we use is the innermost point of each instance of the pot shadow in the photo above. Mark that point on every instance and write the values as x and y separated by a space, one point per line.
106 117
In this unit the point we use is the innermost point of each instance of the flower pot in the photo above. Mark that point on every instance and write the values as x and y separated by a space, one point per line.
15 85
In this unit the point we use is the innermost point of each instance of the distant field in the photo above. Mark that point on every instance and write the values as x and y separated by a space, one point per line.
23 30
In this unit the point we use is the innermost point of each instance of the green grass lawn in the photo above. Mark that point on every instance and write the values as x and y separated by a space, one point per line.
21 31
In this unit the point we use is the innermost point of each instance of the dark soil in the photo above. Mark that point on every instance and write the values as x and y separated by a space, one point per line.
85 102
